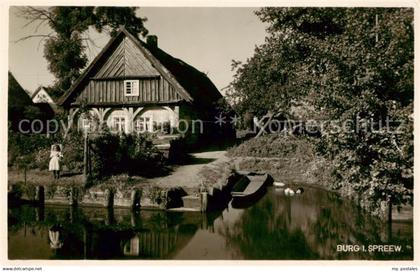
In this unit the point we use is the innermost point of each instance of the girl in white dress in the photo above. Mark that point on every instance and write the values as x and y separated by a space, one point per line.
55 156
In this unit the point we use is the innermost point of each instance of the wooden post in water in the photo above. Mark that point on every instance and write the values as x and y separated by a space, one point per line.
108 198
135 199
74 195
40 195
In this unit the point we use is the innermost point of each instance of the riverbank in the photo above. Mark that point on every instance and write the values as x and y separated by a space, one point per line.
293 161
198 185
202 183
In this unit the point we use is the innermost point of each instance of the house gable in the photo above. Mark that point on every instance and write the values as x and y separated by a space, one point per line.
125 57
126 61
41 96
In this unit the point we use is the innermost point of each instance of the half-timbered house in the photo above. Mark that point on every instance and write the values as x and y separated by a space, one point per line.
134 86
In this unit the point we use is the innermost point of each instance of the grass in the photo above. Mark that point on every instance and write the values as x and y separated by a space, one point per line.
275 146
42 177
287 158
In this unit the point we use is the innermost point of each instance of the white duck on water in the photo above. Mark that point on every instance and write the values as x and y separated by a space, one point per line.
290 192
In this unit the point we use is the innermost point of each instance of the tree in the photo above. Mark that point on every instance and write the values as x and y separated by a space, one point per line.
355 67
65 47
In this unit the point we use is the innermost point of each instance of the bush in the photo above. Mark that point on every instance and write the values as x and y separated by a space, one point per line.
105 154
72 151
41 159
139 155
23 190
23 149
134 154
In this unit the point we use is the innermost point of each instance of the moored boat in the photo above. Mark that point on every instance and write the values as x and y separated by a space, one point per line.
249 188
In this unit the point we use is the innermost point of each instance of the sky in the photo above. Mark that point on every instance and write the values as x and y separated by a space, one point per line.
205 37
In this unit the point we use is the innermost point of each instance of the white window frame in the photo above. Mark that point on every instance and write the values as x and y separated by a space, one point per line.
131 88
144 122
86 123
119 123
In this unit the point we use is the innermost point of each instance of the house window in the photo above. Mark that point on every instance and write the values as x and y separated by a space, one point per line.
86 125
142 125
118 124
131 87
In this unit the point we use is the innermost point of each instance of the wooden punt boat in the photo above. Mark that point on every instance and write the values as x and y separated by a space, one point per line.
249 189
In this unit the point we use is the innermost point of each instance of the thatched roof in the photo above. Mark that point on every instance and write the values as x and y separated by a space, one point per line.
197 84
192 84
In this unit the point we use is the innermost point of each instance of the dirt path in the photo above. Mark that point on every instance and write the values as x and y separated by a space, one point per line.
186 175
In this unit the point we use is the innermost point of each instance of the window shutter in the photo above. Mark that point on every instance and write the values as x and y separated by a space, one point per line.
131 87
135 88
127 88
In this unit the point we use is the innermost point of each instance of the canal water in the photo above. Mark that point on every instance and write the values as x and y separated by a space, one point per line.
308 226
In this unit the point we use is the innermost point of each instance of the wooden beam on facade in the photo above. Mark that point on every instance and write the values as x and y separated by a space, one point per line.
117 78
131 103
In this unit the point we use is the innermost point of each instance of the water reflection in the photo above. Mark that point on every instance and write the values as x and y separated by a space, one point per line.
54 235
309 226
90 233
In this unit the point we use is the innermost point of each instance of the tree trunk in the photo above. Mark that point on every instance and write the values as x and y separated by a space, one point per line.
389 219
390 211
85 158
